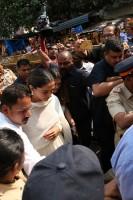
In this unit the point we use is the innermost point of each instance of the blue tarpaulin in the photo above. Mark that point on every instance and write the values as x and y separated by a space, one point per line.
14 45
77 29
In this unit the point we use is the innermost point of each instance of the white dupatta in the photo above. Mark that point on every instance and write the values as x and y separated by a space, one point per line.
45 115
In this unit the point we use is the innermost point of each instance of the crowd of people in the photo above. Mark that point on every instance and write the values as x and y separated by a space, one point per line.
53 114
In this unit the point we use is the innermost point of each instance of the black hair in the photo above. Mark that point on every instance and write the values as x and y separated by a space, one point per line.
14 92
108 25
55 72
11 150
39 77
113 45
22 62
116 29
78 55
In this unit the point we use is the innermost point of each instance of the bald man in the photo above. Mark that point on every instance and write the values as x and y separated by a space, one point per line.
110 32
74 85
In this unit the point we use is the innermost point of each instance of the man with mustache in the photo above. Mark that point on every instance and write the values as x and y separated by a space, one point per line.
15 111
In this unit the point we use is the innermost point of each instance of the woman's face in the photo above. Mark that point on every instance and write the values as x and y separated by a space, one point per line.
43 93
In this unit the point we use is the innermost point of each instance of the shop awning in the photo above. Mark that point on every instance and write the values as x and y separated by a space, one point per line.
71 23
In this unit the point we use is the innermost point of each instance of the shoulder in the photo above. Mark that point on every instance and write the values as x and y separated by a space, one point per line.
78 74
99 66
55 99
13 190
117 89
100 63
98 73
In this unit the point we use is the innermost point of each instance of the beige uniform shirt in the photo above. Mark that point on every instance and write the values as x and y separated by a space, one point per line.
119 100
12 191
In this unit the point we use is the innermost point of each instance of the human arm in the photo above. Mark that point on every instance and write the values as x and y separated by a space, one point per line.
113 78
102 80
104 88
53 132
111 191
69 117
123 119
43 54
117 104
65 125
71 121
44 57
30 154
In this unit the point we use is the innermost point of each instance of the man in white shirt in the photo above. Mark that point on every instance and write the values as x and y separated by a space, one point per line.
15 111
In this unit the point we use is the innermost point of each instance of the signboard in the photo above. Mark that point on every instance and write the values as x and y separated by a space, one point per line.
77 29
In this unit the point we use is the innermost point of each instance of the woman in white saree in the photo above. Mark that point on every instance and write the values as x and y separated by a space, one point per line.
47 128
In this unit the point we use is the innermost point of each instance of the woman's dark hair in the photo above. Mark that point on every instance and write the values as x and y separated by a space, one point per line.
39 77
11 150
14 92
55 72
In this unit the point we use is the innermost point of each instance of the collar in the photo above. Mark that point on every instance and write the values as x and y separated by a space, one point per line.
42 104
5 119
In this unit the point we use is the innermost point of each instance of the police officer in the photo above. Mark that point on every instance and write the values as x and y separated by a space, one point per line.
120 99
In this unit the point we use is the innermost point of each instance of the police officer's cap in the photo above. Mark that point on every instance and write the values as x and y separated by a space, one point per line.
125 67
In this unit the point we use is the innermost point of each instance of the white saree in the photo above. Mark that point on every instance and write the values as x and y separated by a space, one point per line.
46 115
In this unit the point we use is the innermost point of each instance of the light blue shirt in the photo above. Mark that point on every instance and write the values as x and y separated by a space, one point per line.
122 164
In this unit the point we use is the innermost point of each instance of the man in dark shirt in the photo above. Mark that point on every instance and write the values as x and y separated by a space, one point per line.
23 70
102 80
74 86
110 31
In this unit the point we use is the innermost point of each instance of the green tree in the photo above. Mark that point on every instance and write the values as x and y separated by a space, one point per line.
16 13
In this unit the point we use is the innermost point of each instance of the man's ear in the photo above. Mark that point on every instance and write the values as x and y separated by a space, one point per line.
5 109
15 169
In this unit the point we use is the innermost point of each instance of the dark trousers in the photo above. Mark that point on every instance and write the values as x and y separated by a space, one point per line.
84 131
104 134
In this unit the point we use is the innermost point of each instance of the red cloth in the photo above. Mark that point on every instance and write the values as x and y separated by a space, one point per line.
43 46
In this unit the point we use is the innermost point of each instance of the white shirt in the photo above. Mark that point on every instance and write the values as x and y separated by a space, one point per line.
31 155
88 66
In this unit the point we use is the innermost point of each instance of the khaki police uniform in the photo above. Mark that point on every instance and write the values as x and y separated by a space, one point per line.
119 100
